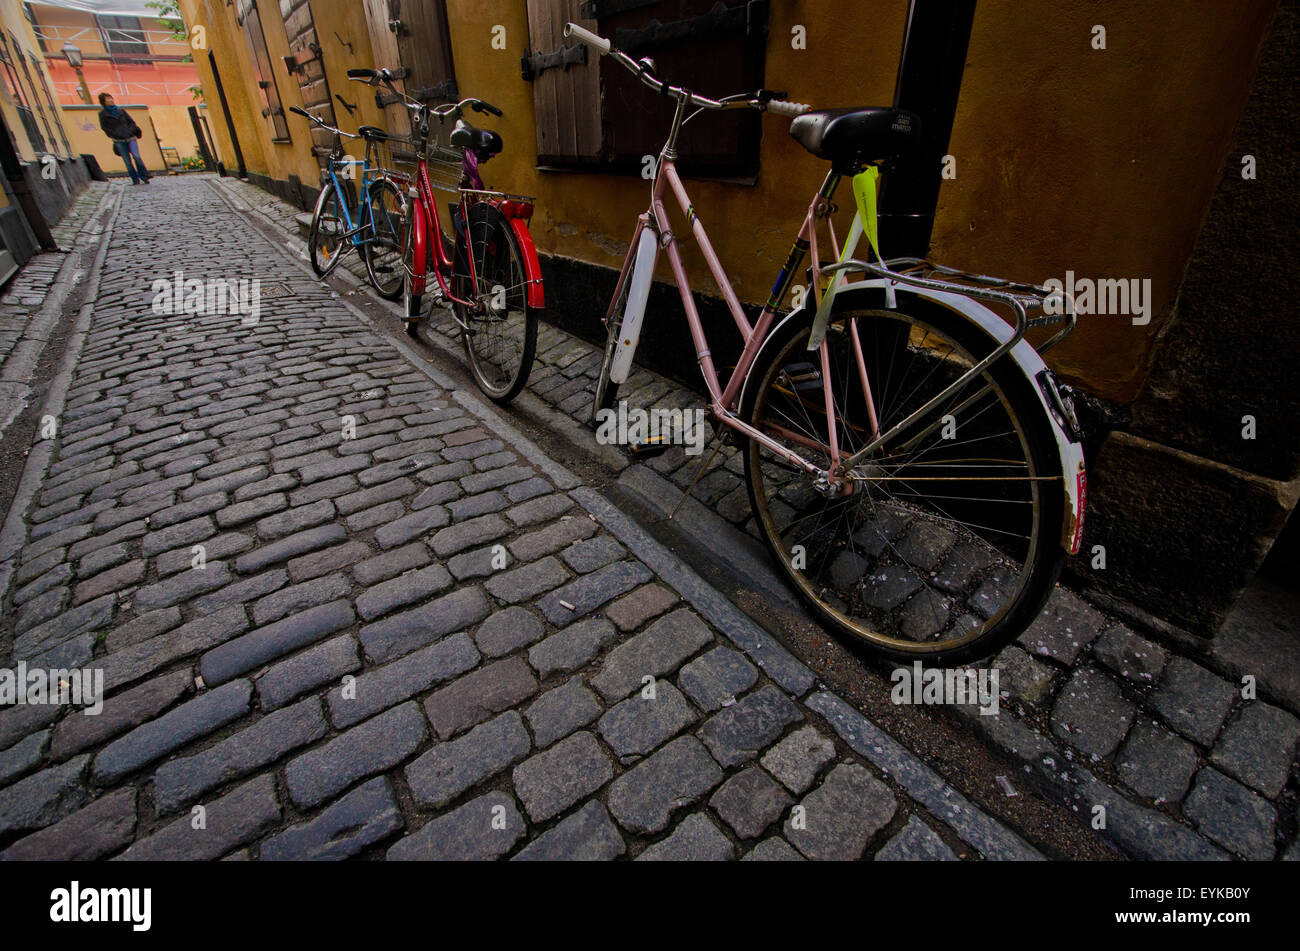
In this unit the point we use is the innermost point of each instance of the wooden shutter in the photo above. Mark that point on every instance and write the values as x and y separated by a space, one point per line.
411 37
304 63
383 46
566 95
272 110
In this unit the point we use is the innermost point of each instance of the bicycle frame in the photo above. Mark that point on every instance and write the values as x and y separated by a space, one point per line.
355 230
724 400
426 223
426 228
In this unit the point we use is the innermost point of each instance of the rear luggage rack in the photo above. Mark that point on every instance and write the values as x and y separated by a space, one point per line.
1027 301
1022 299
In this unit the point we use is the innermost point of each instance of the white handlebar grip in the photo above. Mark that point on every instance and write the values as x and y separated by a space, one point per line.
783 108
597 43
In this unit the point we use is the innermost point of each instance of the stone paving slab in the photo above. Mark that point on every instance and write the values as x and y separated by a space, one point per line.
652 719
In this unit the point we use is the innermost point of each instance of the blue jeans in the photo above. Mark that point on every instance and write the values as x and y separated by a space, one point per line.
130 150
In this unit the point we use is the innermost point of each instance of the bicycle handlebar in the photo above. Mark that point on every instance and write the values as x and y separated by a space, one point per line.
597 43
322 123
783 108
374 77
644 72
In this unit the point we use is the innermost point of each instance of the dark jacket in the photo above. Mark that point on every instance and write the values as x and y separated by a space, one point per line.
118 124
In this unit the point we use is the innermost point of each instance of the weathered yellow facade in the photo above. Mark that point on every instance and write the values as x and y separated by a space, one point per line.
1100 161
19 32
226 43
1068 157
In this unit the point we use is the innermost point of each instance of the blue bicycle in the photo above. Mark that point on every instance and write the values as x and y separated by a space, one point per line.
341 222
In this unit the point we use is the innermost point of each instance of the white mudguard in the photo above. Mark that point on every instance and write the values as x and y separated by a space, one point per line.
643 273
880 294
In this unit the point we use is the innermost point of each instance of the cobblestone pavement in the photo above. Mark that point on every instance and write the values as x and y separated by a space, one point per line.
348 610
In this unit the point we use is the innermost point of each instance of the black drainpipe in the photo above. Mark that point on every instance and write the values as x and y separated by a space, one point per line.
929 81
225 109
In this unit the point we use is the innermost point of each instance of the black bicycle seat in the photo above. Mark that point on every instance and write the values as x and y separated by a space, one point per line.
482 142
852 138
370 132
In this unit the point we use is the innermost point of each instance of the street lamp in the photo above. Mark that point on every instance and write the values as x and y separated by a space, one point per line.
74 58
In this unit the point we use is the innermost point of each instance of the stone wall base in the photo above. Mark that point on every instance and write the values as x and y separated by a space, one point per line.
1182 535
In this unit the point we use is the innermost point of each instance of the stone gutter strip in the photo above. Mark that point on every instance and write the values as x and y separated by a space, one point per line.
14 532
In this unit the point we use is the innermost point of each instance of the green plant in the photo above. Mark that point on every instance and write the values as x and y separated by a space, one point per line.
169 13
193 162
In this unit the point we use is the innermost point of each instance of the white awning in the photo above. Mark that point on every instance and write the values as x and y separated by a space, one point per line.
135 8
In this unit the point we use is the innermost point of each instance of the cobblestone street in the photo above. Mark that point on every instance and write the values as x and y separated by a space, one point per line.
349 609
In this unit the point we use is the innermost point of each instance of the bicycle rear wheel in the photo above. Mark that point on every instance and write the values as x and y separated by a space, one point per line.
325 242
383 247
949 542
500 337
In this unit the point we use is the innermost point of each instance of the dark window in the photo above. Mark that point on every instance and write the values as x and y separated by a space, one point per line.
123 37
251 20
47 119
16 90
55 112
36 27
597 115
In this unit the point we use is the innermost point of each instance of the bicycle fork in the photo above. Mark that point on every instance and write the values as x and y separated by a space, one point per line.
642 255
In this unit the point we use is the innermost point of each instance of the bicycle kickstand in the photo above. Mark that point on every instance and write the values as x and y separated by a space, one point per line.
720 440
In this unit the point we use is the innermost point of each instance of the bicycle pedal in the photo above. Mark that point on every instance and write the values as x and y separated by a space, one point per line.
650 448
803 377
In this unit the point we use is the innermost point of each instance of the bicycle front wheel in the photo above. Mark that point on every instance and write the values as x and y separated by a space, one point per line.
500 332
383 247
945 543
412 303
325 241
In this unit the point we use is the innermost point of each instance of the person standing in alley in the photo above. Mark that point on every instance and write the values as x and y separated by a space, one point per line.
122 129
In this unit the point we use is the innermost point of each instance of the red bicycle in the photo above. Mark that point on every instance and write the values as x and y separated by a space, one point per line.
487 272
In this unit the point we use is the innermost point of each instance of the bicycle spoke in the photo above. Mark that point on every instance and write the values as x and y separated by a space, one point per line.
931 543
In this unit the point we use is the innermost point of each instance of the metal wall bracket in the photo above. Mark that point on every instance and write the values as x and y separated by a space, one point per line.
447 90
535 64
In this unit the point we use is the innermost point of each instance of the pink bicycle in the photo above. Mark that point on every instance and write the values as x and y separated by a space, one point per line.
912 464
